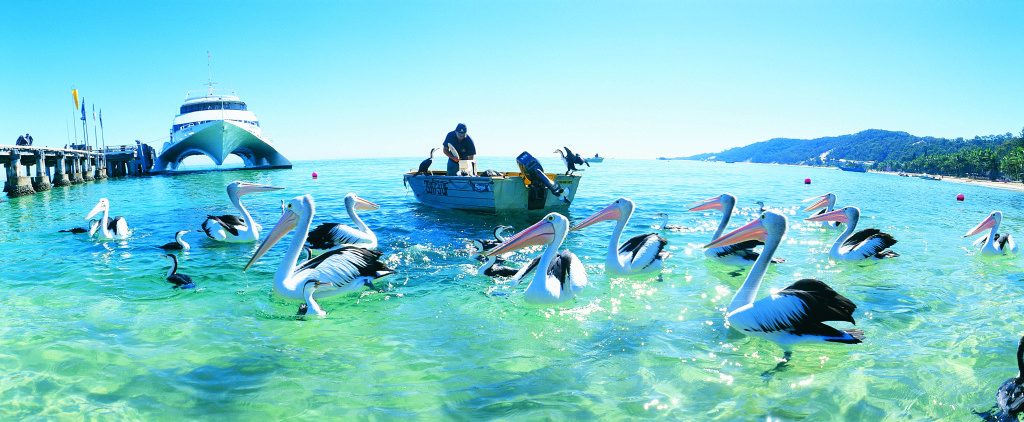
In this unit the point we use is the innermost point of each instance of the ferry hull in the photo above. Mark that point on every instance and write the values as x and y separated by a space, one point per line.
218 140
490 194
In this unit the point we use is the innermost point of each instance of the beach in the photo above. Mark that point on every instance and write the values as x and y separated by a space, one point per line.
1014 186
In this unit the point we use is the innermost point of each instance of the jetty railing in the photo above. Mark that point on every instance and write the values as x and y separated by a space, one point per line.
30 169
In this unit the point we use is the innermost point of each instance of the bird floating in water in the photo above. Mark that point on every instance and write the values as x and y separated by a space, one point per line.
558 276
341 270
665 226
850 246
80 230
793 315
480 245
824 203
231 228
993 243
1010 397
425 164
180 281
328 236
741 254
178 243
107 228
641 254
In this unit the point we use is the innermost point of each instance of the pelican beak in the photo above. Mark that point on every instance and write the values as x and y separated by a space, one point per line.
753 230
822 202
102 205
837 215
981 227
541 233
707 204
245 188
609 213
362 204
288 222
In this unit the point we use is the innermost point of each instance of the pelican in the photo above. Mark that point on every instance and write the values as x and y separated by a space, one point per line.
231 228
1010 397
425 164
741 254
178 244
481 245
664 223
328 236
107 228
341 270
641 254
993 243
795 314
558 276
181 281
824 203
850 246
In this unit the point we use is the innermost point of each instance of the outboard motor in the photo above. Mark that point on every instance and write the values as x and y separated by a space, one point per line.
533 172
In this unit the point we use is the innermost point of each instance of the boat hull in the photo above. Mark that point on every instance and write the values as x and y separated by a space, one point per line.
595 160
495 195
218 140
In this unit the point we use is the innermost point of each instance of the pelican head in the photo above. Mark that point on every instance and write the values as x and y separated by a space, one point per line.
842 215
992 220
720 202
103 205
291 212
767 224
239 188
354 202
822 201
614 211
541 233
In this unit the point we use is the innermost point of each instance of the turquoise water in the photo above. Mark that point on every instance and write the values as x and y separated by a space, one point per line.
92 331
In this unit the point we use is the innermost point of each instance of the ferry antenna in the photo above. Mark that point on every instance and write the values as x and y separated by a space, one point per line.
209 72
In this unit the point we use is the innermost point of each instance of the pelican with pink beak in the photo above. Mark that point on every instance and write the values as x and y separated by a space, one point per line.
342 270
851 246
741 254
558 276
107 228
993 243
824 203
231 228
328 236
643 253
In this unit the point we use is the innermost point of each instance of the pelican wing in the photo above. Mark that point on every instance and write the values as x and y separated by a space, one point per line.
1006 243
347 269
645 249
332 235
526 269
230 224
870 242
800 310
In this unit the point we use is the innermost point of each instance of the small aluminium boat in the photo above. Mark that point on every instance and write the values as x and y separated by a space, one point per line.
595 159
496 193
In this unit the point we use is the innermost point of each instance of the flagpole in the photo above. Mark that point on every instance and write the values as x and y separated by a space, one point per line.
85 127
101 130
95 139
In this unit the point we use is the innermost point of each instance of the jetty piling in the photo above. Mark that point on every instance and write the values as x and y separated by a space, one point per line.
30 169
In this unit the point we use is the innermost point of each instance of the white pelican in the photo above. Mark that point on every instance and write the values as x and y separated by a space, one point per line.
341 270
850 246
480 245
824 203
795 314
1010 397
230 228
107 228
328 236
742 253
558 276
993 243
178 244
641 254
181 281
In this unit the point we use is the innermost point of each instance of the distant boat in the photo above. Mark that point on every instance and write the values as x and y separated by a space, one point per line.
595 159
854 167
929 177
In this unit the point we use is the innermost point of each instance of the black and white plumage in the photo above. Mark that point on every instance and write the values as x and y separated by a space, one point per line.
741 254
993 243
575 158
80 230
823 204
328 236
232 228
480 245
558 276
106 227
180 281
341 270
641 254
665 226
494 266
178 243
425 164
855 246
796 314
1010 397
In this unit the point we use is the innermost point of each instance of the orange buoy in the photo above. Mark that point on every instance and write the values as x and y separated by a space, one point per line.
960 197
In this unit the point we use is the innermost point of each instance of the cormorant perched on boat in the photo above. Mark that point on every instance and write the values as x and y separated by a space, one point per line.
425 165
577 159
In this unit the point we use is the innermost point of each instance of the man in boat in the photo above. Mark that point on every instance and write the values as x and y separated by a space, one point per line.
463 145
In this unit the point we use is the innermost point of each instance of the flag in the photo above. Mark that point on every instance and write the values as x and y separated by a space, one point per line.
83 109
101 119
94 114
74 93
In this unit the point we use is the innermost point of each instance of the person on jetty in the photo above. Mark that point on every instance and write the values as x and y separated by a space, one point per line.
462 143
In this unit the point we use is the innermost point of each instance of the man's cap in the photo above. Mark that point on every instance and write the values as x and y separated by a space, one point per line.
461 128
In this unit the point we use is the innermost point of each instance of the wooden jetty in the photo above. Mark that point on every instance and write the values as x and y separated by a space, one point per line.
31 169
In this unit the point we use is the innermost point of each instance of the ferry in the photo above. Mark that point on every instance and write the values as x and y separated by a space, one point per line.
216 123
526 190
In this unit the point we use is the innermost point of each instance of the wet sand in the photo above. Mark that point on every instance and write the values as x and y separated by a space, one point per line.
1014 186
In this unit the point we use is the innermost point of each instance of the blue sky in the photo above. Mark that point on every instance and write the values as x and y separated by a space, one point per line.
628 79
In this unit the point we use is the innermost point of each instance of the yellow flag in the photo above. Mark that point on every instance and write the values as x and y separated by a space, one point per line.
74 93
